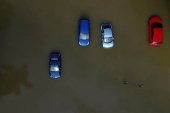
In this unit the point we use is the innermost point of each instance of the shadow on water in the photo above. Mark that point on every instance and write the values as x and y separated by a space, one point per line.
84 16
11 79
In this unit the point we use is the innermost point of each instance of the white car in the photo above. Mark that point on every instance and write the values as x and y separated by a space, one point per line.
107 36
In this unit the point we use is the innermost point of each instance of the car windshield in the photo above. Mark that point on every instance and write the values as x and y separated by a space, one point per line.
108 39
54 68
157 25
84 36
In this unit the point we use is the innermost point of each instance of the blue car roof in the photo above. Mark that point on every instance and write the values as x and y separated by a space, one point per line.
54 62
84 26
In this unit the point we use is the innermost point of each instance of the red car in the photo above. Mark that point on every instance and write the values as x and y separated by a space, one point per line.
155 31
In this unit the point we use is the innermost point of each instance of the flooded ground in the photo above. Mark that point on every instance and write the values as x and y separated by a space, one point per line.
92 77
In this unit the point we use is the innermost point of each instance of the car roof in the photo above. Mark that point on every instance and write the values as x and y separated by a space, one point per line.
54 62
56 57
84 26
108 32
157 36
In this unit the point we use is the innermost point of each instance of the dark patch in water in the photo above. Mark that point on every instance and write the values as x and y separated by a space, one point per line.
11 79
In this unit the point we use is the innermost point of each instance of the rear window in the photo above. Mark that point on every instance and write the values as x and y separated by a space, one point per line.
156 42
108 39
157 25
54 58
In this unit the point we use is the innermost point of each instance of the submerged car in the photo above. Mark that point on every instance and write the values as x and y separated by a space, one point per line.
84 32
155 31
55 65
107 36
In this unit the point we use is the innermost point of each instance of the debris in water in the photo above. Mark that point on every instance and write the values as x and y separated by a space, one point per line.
140 85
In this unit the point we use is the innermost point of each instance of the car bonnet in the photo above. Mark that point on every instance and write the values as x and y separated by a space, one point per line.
55 74
84 42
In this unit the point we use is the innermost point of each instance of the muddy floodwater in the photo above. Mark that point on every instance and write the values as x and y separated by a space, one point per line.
92 78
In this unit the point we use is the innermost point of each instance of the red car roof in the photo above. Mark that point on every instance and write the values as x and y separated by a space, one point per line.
157 36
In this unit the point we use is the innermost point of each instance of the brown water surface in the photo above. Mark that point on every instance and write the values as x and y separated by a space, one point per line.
92 77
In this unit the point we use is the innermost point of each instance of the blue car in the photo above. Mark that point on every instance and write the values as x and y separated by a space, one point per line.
55 65
84 32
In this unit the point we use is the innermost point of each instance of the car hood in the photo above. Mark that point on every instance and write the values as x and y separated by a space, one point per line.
157 35
108 45
55 74
84 42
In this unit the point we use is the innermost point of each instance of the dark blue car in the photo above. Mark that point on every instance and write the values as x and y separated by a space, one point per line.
84 32
55 65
